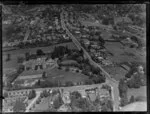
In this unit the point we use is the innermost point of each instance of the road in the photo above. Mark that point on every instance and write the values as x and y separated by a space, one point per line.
109 80
26 35
33 101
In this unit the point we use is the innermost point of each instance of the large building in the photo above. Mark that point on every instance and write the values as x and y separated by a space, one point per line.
39 63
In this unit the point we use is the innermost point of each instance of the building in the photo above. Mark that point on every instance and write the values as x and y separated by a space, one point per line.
64 108
66 97
39 63
103 93
83 93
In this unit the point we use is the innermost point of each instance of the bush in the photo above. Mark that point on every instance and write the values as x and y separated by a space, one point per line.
20 59
67 69
32 94
58 102
132 99
69 83
5 94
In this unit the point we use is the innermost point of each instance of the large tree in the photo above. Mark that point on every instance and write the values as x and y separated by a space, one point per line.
32 94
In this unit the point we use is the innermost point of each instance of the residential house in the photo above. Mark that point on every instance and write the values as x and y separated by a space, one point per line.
103 93
64 108
66 97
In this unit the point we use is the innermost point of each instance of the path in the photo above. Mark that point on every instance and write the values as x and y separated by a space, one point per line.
33 101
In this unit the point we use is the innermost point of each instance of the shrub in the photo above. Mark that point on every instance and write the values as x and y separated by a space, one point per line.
67 69
32 94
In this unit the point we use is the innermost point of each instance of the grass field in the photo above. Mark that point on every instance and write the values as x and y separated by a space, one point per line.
62 75
124 54
43 106
116 72
137 92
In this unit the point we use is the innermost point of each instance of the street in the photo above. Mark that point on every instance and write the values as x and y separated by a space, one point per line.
109 80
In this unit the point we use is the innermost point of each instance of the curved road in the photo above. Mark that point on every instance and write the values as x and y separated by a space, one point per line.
109 80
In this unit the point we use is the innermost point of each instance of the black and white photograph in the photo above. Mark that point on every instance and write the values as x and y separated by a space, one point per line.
74 57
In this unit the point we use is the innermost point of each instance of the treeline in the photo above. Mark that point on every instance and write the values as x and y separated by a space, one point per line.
41 43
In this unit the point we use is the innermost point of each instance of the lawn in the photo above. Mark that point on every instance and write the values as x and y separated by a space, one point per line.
43 106
69 62
137 92
62 75
123 54
12 63
116 72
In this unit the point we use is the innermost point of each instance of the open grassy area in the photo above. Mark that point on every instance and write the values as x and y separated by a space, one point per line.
62 75
124 54
43 106
116 72
137 92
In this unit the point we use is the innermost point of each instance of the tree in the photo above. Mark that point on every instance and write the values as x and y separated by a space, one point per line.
8 57
32 94
19 106
20 69
107 87
27 56
58 102
20 59
132 99
67 69
39 52
38 83
69 83
124 100
5 94
45 93
122 87
44 75
75 95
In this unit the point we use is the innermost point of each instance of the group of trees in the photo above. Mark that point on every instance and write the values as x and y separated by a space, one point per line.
107 105
58 102
79 102
123 88
135 78
8 57
59 51
40 43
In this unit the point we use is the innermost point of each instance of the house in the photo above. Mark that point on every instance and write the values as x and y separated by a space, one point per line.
83 93
103 93
66 97
64 108
41 63
122 19
106 62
